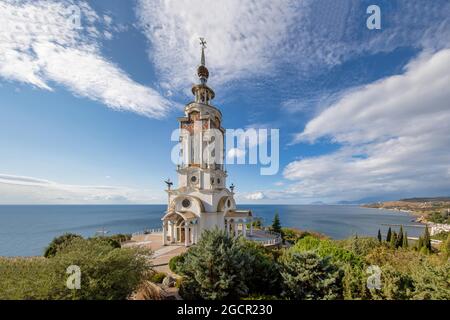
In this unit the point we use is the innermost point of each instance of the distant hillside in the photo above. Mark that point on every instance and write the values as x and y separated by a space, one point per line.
434 199
433 209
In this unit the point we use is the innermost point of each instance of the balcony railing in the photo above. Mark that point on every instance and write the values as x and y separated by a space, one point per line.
147 231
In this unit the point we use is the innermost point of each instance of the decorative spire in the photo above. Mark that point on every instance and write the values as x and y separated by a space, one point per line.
203 44
202 71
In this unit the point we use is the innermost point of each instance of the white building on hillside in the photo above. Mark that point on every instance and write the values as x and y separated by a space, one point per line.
202 200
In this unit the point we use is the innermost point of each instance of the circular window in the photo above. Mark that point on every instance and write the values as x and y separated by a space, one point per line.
228 203
186 203
193 179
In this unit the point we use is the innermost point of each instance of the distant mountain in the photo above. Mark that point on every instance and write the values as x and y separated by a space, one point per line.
317 203
350 202
361 201
431 209
430 199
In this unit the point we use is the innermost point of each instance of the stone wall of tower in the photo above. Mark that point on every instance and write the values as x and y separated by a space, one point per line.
203 157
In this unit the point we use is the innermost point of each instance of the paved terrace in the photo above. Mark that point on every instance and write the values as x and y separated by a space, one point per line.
161 254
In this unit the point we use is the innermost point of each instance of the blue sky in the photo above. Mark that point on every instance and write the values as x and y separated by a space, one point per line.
86 115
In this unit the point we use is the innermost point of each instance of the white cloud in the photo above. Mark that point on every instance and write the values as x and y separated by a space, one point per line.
236 153
28 190
254 196
39 45
242 36
274 39
394 133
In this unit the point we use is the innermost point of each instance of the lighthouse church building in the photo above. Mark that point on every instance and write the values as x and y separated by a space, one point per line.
202 200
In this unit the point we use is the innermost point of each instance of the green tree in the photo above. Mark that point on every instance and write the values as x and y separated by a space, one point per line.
215 269
263 277
405 240
399 241
427 239
306 276
380 239
60 243
276 224
393 241
389 235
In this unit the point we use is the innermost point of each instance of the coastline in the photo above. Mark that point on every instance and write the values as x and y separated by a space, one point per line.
419 217
17 239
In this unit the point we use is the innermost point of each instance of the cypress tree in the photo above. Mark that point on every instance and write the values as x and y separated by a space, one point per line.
379 236
393 241
399 241
405 240
389 235
276 225
427 239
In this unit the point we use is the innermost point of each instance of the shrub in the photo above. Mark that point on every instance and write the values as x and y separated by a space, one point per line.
443 235
292 235
59 243
306 276
121 237
431 282
354 283
106 273
403 260
359 246
115 240
178 282
395 284
157 277
328 248
408 274
27 279
175 262
445 248
149 291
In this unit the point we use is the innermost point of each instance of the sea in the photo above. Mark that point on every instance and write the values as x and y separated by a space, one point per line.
26 230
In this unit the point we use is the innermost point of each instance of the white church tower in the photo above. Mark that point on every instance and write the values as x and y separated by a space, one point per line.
202 200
